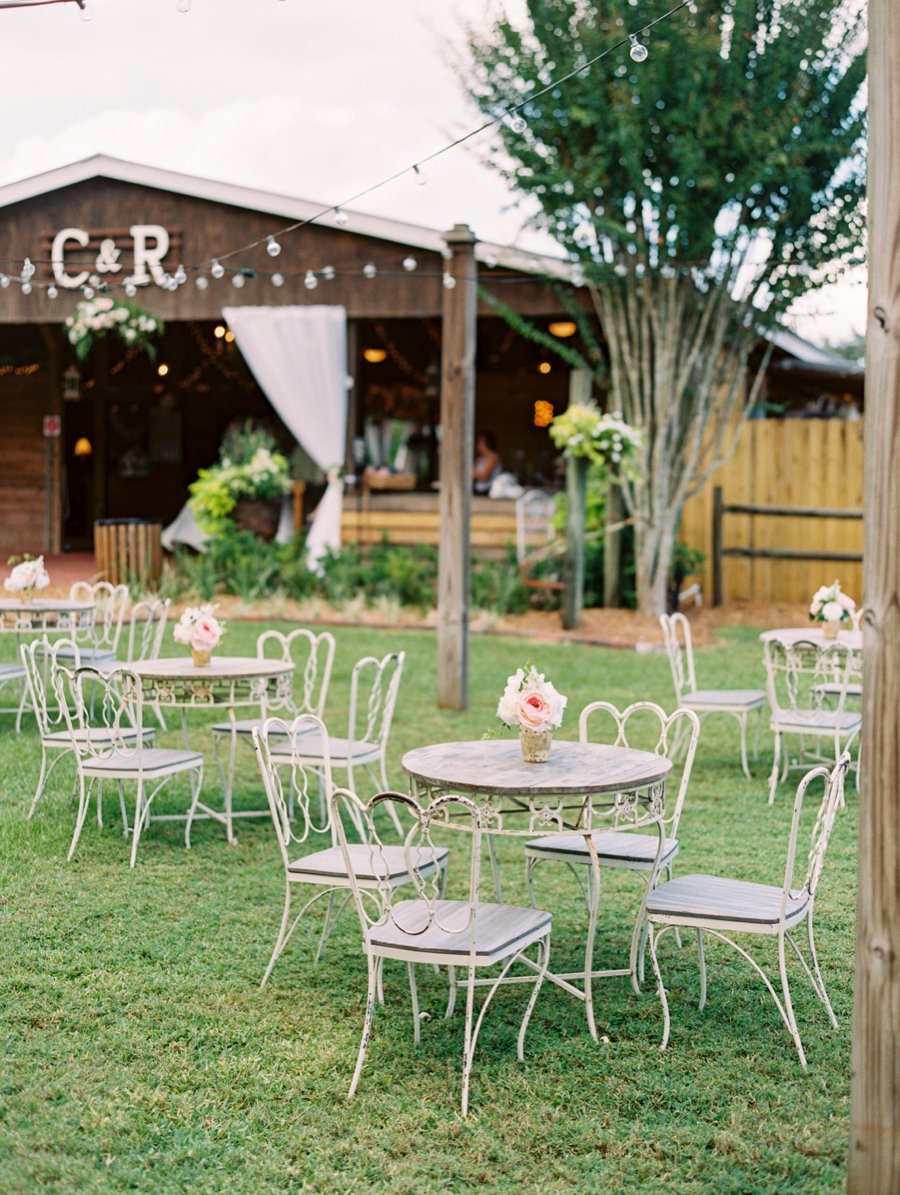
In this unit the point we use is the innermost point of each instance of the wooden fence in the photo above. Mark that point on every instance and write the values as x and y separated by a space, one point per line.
790 463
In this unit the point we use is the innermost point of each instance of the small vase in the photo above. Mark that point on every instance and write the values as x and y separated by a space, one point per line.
201 658
535 744
25 596
830 628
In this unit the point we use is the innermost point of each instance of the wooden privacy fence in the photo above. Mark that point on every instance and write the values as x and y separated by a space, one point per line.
789 466
793 512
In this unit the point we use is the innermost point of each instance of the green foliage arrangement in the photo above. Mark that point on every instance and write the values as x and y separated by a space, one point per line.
93 318
249 467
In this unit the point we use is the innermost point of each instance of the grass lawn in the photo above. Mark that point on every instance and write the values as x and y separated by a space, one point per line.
138 1053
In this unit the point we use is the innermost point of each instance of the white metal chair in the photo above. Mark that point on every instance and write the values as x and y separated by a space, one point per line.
103 712
290 794
14 674
146 629
464 933
719 906
100 642
738 703
647 726
373 695
534 521
796 676
312 656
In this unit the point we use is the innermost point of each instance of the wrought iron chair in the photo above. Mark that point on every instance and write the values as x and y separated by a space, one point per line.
718 906
146 629
796 674
103 712
738 703
14 674
100 642
645 725
534 521
465 933
312 656
373 695
290 794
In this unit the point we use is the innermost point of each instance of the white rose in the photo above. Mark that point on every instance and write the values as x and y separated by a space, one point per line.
832 611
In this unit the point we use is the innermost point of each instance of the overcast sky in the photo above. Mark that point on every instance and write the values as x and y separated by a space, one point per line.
313 99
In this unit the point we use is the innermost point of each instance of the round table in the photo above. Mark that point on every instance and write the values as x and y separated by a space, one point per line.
230 682
579 784
46 616
814 634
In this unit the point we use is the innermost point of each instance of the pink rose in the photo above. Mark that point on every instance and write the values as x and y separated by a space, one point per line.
534 710
205 634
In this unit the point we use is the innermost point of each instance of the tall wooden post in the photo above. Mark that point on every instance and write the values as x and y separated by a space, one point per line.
457 445
576 506
874 1164
612 545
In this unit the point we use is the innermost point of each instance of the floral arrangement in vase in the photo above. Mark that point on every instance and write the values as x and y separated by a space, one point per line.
833 607
581 431
28 574
93 318
199 629
532 705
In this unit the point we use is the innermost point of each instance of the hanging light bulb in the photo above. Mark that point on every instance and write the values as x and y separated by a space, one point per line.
638 52
370 269
238 280
449 281
310 281
28 269
183 5
340 216
517 123
26 288
86 14
217 269
328 273
447 253
94 280
88 292
52 292
420 176
278 279
201 282
4 281
130 289
409 264
180 275
272 247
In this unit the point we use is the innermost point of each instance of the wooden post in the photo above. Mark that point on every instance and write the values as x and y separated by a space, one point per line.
457 445
352 395
53 458
576 509
612 546
717 545
874 1163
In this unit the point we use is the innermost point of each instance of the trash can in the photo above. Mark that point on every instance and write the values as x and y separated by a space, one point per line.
128 551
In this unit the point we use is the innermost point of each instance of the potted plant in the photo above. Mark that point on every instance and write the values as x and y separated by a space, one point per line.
246 485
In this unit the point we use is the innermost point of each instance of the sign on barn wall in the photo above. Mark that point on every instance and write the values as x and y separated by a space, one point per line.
136 254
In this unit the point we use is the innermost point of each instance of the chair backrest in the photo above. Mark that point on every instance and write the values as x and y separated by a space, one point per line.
312 656
103 711
373 696
796 671
647 727
146 628
534 521
381 897
39 659
677 635
291 788
110 604
825 818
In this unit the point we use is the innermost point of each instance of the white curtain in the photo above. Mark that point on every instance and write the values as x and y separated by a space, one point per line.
298 355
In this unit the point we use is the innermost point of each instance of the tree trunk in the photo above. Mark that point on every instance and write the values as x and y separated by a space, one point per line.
576 516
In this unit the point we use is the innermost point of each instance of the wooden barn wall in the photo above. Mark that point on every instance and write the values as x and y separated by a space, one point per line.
790 462
22 468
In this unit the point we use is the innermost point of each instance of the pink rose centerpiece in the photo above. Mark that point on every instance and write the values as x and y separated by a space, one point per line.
27 575
534 707
199 629
832 607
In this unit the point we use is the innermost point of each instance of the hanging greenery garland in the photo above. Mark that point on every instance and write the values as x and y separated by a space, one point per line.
93 318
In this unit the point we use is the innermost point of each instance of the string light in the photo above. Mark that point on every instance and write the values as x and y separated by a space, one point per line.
88 292
272 247
310 281
52 292
370 269
340 216
278 279
130 289
409 264
180 275
4 281
201 282
26 288
637 52
183 5
420 176
328 273
217 269
238 280
449 281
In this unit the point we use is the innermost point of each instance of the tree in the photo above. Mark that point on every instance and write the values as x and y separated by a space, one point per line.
698 193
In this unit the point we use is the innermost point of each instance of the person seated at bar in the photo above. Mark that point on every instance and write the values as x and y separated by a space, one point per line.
487 462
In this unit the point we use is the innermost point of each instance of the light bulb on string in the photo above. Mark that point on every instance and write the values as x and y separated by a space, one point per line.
420 176
86 14
201 282
328 273
28 269
310 281
449 281
180 275
638 52
26 288
217 269
238 280
272 247
4 281
517 122
94 280
447 253
278 279
88 292
340 216
409 264
52 291
184 5
130 289
370 269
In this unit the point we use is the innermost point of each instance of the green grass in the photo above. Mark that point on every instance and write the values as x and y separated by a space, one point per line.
138 1053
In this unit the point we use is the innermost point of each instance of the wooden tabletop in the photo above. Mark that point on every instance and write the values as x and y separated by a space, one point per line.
219 668
496 766
45 606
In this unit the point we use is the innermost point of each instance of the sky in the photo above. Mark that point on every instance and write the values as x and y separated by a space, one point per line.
316 99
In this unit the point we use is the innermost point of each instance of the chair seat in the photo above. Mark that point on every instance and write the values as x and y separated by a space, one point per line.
735 699
246 726
816 721
501 930
11 672
386 864
90 655
696 898
308 749
835 689
99 734
152 761
614 847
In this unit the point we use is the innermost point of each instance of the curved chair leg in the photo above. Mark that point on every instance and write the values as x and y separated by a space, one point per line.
818 974
414 1000
84 798
468 1043
141 812
122 809
756 736
451 996
330 921
773 777
43 777
660 986
594 888
701 961
543 964
196 785
790 1019
100 804
281 938
742 719
367 1024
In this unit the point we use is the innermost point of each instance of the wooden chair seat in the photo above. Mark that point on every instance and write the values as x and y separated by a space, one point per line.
97 735
438 929
152 761
688 900
614 847
814 721
385 864
733 699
